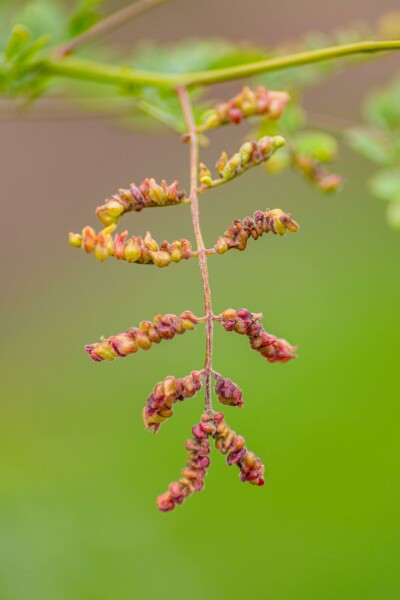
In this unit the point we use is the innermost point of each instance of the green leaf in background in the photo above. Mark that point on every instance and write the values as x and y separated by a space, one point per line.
193 55
136 108
187 55
293 119
86 14
298 78
20 37
32 50
163 106
33 25
371 144
393 215
382 108
39 24
379 142
15 78
43 18
317 145
20 49
280 161
48 18
385 185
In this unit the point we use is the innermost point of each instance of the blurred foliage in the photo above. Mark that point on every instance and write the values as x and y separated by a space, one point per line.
36 27
87 14
19 52
194 54
29 30
298 78
318 145
146 107
185 56
379 142
311 146
52 18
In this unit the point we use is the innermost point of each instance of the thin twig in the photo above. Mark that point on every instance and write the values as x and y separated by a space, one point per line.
108 24
194 162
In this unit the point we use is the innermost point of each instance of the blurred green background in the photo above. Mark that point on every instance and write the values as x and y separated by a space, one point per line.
79 475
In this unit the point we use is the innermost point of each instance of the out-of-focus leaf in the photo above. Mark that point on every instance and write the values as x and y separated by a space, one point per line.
351 35
86 14
16 78
316 144
240 56
293 119
381 144
382 108
165 107
298 78
19 38
128 107
40 23
193 55
266 127
279 161
371 144
31 50
386 185
43 18
188 55
393 215
162 114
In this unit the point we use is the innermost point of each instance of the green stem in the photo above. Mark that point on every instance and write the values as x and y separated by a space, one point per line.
125 76
89 70
286 62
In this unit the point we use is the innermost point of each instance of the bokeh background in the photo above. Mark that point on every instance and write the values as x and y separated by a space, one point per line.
78 473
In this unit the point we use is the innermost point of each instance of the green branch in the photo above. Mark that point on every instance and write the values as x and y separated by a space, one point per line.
89 70
125 76
286 62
